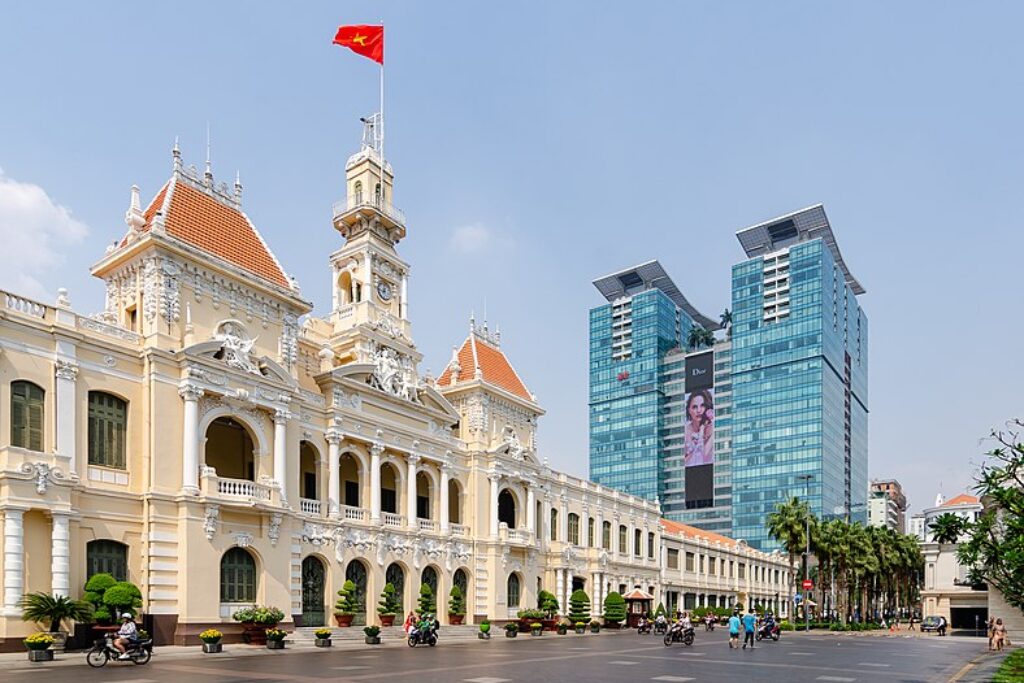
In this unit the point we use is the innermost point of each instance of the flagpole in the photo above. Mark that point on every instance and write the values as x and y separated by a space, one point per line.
382 183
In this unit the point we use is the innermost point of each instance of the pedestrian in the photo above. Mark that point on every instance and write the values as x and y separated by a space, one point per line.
734 630
749 626
942 626
910 624
990 627
999 635
410 622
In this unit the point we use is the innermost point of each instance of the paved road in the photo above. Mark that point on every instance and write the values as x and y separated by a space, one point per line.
605 657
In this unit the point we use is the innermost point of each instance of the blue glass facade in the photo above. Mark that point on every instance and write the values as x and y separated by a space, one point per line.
799 388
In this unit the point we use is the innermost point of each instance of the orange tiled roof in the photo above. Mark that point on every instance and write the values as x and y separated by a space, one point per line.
962 499
215 227
494 366
693 532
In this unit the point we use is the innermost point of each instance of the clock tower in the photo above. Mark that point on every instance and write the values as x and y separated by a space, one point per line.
370 314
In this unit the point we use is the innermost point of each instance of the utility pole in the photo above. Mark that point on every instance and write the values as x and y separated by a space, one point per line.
806 478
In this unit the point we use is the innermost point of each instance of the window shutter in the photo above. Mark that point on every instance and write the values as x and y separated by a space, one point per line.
17 415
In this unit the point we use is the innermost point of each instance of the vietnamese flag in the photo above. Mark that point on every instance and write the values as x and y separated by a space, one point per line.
367 41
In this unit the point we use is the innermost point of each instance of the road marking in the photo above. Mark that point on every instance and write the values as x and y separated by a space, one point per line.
580 648
366 657
873 664
487 679
622 662
836 678
693 654
349 668
672 679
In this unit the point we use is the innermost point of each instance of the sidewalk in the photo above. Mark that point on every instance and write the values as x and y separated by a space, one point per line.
982 668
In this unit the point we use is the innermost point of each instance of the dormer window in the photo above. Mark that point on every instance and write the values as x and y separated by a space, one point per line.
357 191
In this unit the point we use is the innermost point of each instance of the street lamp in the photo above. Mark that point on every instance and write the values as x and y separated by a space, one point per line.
806 478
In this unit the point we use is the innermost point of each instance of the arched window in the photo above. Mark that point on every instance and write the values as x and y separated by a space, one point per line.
106 557
395 575
650 544
507 508
574 528
637 536
27 416
460 579
554 524
606 536
513 590
429 578
623 539
237 576
108 425
590 532
357 191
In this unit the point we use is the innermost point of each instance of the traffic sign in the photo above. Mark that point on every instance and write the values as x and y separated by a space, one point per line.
808 584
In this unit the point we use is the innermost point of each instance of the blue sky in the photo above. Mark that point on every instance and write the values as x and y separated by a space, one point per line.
540 145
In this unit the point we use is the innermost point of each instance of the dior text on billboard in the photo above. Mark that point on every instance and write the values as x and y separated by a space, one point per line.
699 430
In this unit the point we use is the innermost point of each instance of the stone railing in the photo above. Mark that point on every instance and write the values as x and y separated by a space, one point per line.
308 506
243 489
353 514
13 302
459 529
427 525
391 519
109 330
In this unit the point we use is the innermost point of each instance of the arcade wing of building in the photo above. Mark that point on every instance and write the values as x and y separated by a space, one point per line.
205 424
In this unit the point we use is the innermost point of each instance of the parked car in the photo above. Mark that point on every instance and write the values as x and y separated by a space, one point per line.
931 624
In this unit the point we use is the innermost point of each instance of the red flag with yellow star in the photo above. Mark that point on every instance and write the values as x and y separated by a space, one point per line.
367 41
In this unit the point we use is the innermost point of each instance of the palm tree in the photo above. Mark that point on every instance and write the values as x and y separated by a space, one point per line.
698 338
788 526
726 320
53 609
947 528
826 544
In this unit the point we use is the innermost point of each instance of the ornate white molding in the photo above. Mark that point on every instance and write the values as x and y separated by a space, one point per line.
288 343
316 534
210 520
274 528
236 347
43 474
394 372
243 540
65 369
190 392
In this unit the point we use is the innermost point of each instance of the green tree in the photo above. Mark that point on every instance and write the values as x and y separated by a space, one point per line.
95 587
44 608
788 525
947 528
614 608
456 603
547 603
123 596
428 605
726 320
388 603
579 607
994 547
698 338
346 603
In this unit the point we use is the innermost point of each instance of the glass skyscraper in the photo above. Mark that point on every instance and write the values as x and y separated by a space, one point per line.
799 376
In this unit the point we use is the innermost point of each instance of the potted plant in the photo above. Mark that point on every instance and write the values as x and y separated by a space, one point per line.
595 626
388 605
579 610
38 645
563 627
52 610
275 638
323 637
372 634
428 605
211 638
345 607
95 587
614 610
548 604
581 627
536 628
456 606
528 616
485 630
512 629
255 621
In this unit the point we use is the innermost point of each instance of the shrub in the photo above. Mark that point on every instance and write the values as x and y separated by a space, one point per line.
427 603
786 626
323 633
614 607
660 612
211 635
38 641
52 610
95 587
346 603
456 603
264 616
531 614
388 603
511 626
372 631
579 606
275 634
485 626
123 596
547 603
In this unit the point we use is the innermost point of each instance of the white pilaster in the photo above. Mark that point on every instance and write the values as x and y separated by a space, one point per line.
65 373
493 502
403 300
560 586
563 520
14 560
375 452
531 510
281 417
599 529
190 439
445 470
60 555
334 473
568 589
410 489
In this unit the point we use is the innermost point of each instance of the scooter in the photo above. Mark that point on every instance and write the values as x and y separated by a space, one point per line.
423 636
138 652
643 628
660 627
768 630
678 634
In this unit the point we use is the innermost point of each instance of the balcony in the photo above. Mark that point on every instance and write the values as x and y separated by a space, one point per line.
308 506
391 519
459 529
349 211
517 537
353 514
427 524
241 491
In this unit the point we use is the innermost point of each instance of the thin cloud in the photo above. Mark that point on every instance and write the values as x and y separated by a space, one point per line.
476 239
37 233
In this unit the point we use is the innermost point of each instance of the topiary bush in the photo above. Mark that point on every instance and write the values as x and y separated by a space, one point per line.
547 603
456 603
388 603
579 606
660 612
346 603
95 587
614 608
123 596
427 603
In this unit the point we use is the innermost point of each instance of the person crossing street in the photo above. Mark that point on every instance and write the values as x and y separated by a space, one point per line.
734 630
749 627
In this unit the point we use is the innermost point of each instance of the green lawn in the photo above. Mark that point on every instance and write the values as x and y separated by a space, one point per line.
1012 670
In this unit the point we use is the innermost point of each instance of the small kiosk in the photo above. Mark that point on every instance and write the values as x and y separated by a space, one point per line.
638 604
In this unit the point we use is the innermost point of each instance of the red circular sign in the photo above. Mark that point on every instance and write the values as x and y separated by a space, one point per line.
808 584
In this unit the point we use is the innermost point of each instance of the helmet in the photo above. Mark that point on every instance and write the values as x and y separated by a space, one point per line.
126 615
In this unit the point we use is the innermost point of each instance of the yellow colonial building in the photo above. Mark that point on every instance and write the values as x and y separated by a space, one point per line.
210 440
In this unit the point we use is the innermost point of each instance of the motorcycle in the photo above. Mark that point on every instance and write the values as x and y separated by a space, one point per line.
660 628
423 636
768 630
709 624
643 628
138 652
678 634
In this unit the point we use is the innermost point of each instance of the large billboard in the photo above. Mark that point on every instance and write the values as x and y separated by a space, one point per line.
699 430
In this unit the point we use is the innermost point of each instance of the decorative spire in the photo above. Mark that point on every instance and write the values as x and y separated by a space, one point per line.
133 216
209 170
238 187
176 156
456 366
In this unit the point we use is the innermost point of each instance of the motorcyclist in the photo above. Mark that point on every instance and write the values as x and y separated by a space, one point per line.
709 622
661 623
126 635
685 622
643 626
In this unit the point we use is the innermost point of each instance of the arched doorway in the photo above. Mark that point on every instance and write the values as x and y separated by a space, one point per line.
454 502
429 578
507 508
350 480
309 467
356 573
229 449
513 591
395 575
423 495
389 480
460 580
313 612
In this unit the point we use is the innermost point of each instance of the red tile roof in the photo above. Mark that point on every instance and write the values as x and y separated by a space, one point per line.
693 532
215 227
493 364
962 499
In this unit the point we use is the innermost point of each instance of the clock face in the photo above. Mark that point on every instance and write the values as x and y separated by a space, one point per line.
384 291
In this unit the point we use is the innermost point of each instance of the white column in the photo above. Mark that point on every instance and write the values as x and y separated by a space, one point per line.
410 489
595 598
531 510
403 301
493 502
190 439
375 452
60 555
568 589
281 417
599 529
443 512
563 521
333 473
66 373
368 269
14 567
560 586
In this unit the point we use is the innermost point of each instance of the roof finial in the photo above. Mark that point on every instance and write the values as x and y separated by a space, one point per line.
472 321
209 170
134 216
176 156
238 187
